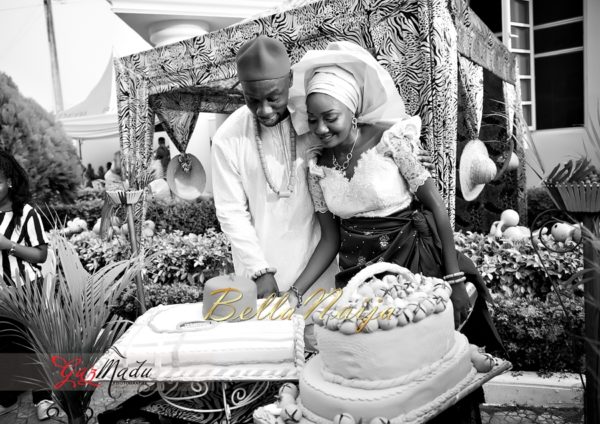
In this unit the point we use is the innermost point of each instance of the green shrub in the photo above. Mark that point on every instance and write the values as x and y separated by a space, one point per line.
89 210
514 268
90 193
538 201
538 336
157 294
175 258
189 217
41 146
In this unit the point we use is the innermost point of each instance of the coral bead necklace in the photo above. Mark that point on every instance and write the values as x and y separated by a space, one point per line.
261 154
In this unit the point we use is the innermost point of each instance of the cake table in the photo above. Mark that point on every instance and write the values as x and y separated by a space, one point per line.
204 367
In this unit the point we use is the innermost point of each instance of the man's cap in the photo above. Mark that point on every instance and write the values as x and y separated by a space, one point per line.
262 58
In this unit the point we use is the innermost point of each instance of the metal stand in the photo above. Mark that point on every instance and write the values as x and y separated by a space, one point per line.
211 399
134 250
130 198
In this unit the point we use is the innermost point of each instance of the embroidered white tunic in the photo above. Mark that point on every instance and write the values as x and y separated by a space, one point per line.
385 179
265 230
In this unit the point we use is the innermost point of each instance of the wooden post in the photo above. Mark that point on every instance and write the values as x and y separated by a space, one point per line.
58 100
591 261
134 248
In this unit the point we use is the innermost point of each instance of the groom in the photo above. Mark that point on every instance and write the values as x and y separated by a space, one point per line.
260 177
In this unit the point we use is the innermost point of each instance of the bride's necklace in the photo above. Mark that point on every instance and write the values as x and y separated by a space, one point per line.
261 155
344 165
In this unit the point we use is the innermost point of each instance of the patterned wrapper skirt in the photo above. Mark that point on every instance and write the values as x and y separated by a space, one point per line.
410 239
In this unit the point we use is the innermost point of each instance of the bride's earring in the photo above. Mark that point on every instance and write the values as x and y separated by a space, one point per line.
354 123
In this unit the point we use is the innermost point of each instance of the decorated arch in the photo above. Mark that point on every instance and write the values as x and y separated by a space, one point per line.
448 66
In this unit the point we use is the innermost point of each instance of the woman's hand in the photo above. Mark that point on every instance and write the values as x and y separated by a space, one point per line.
426 159
5 244
266 285
460 303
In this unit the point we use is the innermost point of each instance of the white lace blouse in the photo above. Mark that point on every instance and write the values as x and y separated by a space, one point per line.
385 179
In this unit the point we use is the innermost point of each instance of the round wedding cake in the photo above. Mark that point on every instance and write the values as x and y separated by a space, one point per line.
388 352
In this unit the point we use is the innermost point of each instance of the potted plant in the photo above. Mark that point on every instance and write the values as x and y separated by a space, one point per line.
575 185
68 318
575 188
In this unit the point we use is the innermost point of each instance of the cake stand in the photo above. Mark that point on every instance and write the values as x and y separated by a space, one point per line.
189 389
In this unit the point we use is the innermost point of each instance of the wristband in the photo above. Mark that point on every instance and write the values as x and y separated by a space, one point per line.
13 247
296 292
262 272
454 276
458 280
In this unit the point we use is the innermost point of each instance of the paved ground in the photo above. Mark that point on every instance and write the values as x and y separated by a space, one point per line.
25 414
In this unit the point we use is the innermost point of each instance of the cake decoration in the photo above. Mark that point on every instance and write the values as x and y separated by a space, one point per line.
388 354
229 298
386 302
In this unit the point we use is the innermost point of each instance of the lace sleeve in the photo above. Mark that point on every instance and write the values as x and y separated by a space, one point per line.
317 194
401 141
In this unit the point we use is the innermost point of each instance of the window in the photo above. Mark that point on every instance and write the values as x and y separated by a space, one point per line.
546 37
517 34
558 39
559 90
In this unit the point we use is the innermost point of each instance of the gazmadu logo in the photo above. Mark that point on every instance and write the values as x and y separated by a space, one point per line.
73 375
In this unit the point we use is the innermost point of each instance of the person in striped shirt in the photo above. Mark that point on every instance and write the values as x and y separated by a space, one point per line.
23 248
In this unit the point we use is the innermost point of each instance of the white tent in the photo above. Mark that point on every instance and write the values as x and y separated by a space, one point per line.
88 35
96 116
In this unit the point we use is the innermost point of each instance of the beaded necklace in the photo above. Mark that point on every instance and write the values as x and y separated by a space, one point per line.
261 155
344 165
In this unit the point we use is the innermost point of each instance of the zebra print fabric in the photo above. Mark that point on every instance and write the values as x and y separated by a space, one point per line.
417 41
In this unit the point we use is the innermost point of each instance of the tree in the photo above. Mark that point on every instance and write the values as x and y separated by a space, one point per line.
39 143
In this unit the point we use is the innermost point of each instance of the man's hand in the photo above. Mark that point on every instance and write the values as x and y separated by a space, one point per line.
426 159
460 303
266 284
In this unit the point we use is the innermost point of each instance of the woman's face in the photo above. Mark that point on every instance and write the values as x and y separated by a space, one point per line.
329 119
4 183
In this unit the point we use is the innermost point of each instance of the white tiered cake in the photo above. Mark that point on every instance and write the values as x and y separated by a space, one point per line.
397 368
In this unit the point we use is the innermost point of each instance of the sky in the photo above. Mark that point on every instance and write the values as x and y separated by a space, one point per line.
86 32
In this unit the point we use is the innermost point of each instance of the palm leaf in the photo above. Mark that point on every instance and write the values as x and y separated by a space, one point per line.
106 215
69 316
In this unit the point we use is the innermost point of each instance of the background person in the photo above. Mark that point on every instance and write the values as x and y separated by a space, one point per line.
113 179
163 155
23 248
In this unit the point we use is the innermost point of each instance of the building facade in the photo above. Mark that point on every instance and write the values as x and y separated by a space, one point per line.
557 45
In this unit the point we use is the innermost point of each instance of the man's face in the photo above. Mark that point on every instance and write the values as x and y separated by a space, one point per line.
268 99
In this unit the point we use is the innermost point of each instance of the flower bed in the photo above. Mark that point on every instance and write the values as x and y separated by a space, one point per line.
535 332
179 265
538 336
176 258
514 269
188 217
